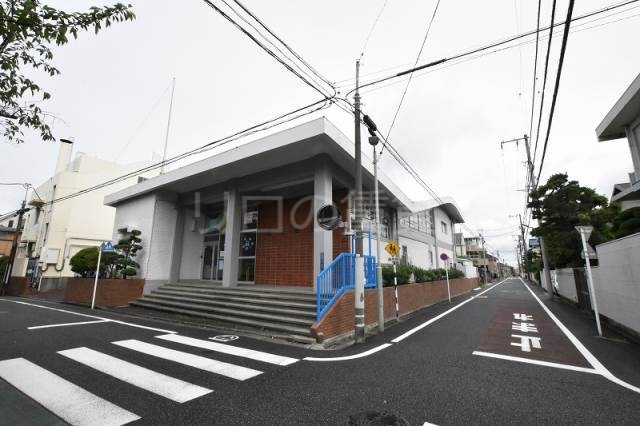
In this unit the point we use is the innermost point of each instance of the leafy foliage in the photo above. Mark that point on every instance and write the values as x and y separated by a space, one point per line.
4 260
27 29
420 275
562 204
627 222
112 265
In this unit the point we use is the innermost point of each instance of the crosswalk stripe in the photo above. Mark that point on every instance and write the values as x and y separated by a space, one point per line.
152 381
229 349
63 398
218 367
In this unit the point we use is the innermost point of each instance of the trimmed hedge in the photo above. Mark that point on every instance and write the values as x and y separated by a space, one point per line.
420 275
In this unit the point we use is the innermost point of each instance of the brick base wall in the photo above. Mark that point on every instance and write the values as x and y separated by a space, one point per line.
411 297
109 294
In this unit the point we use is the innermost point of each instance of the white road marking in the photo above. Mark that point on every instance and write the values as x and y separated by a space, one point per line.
346 358
536 362
527 342
436 318
66 324
218 367
597 365
160 330
152 381
230 350
64 399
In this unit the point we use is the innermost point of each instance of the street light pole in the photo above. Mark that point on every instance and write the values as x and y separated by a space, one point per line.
14 245
379 289
359 259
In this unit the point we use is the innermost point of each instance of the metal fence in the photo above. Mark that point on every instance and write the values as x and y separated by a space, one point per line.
338 277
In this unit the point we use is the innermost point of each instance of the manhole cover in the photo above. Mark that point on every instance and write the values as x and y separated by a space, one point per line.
375 418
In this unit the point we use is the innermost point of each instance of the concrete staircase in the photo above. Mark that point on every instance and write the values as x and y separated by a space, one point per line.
284 311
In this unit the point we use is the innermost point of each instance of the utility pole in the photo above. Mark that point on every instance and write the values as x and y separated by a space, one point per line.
359 259
484 260
14 245
545 268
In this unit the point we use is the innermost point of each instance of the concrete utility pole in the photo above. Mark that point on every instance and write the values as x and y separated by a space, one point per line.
379 290
359 260
14 245
484 260
545 268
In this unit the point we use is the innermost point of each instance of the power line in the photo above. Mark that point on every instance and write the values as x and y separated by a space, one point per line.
293 52
214 144
406 88
480 55
489 46
557 85
535 72
265 48
544 81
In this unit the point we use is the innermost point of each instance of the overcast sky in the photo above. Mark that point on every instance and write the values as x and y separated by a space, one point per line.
113 94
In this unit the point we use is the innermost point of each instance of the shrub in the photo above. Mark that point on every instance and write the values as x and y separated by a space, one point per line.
112 265
421 275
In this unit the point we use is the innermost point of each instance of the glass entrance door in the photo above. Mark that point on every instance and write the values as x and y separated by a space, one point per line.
213 257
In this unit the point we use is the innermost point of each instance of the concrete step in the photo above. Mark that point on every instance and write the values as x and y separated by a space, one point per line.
278 310
230 312
250 322
273 295
248 299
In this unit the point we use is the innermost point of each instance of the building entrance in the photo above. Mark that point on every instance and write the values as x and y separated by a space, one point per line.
213 257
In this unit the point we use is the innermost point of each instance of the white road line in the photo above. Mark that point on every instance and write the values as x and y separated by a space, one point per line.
537 362
346 358
160 330
66 324
152 381
230 350
64 399
597 365
436 318
217 367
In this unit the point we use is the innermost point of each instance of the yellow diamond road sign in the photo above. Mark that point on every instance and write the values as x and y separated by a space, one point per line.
392 248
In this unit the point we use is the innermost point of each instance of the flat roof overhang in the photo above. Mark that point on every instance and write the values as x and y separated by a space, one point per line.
630 193
623 113
289 146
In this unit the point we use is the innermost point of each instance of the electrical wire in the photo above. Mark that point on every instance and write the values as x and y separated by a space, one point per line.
489 46
265 48
563 49
299 112
406 88
286 46
544 80
502 49
535 72
293 52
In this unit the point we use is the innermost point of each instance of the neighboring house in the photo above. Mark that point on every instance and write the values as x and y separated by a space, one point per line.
425 235
248 215
481 256
6 238
53 233
623 121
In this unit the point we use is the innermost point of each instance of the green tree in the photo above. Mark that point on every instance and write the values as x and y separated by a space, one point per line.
84 263
128 249
28 28
560 205
627 222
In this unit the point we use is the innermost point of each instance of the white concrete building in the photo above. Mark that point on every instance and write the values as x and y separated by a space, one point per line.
248 215
623 121
54 232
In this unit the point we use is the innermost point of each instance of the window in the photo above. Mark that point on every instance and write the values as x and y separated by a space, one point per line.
444 228
37 217
10 224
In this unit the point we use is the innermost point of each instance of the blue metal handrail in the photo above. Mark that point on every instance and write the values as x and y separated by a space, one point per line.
338 277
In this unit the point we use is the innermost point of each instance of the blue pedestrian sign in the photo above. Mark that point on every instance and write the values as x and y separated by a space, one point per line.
107 247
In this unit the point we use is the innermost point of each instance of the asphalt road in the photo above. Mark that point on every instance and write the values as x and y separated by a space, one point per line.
496 356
